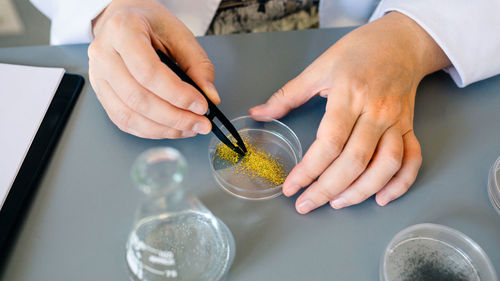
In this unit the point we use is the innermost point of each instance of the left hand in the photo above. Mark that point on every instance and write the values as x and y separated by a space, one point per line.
365 143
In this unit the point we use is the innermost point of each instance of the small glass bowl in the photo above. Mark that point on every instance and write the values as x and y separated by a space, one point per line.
434 252
494 185
268 135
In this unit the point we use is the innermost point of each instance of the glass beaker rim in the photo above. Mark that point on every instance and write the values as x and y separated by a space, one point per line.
141 167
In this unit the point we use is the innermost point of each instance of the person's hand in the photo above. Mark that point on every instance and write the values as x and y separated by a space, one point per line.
365 143
140 94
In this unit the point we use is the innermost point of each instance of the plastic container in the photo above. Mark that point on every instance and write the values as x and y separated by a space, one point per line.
434 252
494 185
268 135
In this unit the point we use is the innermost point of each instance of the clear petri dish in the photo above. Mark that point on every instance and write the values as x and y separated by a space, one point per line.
434 252
265 135
494 185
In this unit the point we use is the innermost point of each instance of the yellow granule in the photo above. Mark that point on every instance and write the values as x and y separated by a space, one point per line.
255 163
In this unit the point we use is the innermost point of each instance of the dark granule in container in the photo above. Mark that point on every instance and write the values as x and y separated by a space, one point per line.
425 269
424 259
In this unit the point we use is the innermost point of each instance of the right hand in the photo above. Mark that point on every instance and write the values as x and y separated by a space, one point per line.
140 94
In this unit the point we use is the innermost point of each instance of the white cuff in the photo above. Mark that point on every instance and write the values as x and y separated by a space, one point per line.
71 19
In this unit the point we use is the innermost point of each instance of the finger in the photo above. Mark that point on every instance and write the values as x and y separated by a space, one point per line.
142 101
333 133
191 57
292 95
402 181
129 121
134 47
386 162
346 168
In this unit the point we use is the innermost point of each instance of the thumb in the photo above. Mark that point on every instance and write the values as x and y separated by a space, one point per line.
292 95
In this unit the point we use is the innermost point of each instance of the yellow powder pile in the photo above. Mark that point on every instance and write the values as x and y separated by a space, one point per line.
255 163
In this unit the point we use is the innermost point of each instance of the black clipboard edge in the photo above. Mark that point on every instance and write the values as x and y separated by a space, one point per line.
36 160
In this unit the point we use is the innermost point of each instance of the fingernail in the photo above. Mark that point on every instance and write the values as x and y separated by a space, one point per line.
256 108
201 128
385 199
339 203
306 206
215 96
197 107
291 190
188 134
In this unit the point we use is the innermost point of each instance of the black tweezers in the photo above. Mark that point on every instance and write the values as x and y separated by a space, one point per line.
213 111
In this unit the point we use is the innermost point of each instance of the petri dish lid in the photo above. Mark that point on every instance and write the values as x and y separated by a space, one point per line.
274 150
434 252
494 185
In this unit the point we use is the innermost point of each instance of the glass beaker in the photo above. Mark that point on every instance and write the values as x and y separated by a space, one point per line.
174 237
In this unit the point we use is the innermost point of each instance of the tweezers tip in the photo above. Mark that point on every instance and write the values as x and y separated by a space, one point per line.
241 151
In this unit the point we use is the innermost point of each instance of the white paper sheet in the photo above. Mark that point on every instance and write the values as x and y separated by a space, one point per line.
25 95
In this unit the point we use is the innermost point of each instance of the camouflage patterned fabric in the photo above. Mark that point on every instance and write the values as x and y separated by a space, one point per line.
243 16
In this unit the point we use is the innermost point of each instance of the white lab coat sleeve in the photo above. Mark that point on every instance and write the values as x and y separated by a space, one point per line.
467 31
70 19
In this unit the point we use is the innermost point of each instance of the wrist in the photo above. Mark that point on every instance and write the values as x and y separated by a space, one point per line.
96 22
428 56
113 6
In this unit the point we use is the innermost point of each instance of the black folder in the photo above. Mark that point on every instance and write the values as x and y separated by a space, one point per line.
36 159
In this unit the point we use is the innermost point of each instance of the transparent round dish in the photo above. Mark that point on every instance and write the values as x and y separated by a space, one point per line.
434 252
494 185
263 134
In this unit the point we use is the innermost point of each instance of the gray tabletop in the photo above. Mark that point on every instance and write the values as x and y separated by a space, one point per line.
79 220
